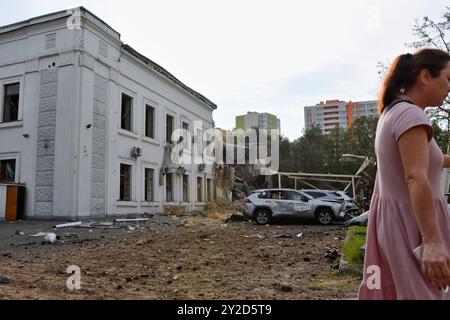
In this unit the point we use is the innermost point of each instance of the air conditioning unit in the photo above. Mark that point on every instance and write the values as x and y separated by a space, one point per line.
165 170
201 167
136 152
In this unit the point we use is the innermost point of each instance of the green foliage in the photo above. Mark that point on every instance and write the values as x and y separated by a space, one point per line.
356 238
316 152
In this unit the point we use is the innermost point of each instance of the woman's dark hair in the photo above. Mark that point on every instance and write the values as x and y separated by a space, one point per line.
405 70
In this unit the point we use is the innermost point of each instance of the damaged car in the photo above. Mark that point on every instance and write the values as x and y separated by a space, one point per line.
264 205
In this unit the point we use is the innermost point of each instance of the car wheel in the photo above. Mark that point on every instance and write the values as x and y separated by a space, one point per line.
324 216
263 216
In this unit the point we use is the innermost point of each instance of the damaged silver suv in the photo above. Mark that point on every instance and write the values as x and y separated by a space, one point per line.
264 205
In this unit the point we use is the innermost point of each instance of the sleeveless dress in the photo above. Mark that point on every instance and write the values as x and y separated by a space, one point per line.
392 232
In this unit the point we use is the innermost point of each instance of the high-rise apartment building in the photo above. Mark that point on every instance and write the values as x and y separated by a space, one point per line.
332 113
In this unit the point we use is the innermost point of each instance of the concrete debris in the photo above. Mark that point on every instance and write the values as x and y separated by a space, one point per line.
288 235
132 220
5 280
68 225
20 233
258 236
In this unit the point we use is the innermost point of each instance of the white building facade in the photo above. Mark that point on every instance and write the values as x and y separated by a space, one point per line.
85 121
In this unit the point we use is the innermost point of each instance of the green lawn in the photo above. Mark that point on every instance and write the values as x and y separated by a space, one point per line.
352 254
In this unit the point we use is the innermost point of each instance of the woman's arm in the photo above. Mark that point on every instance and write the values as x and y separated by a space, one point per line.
446 161
413 147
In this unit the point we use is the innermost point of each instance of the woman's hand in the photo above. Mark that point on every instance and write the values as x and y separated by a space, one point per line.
436 265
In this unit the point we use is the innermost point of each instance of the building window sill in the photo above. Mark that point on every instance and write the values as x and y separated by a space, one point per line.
150 204
13 124
128 134
127 204
151 141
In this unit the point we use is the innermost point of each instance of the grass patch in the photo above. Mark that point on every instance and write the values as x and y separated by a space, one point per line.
351 253
356 238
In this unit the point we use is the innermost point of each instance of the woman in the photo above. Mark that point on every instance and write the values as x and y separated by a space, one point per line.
408 207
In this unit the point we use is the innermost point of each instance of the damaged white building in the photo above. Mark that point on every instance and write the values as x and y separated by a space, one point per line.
85 120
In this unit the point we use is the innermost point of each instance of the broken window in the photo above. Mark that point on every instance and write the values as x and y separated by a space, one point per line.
8 170
125 182
149 194
209 189
199 189
11 102
126 113
169 187
169 128
150 122
185 188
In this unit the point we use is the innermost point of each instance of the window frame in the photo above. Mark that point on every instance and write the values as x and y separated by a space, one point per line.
3 83
130 183
188 175
133 126
173 115
156 122
13 156
173 188
202 190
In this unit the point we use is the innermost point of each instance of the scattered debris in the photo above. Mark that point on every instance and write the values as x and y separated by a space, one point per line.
5 280
283 287
142 242
20 233
131 220
258 236
235 218
283 235
332 254
68 225
37 235
102 224
289 235
69 236
176 277
49 237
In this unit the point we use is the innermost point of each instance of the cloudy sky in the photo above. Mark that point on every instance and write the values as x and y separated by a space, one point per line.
254 55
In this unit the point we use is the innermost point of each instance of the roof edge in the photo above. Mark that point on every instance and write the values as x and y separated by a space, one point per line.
168 75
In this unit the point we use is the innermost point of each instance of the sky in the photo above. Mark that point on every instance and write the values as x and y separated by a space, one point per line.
273 56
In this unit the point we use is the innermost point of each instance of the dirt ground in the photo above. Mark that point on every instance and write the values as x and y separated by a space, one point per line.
176 257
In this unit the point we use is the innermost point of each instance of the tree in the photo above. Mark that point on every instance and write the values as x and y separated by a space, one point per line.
435 34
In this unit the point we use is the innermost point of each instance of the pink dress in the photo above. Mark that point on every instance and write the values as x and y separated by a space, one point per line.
392 230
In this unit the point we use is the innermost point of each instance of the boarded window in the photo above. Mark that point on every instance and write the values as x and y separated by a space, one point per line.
149 192
8 170
169 187
11 102
199 189
150 122
127 112
125 182
169 128
185 188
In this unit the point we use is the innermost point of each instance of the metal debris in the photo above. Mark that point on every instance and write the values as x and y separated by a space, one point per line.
68 225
